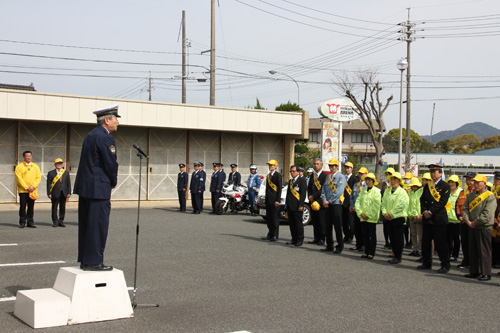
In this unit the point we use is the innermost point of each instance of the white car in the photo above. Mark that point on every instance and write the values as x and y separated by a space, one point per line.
261 206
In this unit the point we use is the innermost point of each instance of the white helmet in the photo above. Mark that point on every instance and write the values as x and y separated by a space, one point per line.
253 166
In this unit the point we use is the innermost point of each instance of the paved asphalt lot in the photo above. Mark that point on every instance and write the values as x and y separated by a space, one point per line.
214 274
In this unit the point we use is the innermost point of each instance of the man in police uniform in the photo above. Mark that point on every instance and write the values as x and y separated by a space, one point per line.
347 218
295 196
213 186
316 181
58 190
234 176
182 183
197 188
96 176
273 198
433 204
332 193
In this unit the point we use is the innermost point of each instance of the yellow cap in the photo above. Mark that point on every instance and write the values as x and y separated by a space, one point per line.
371 176
273 162
480 178
427 176
349 164
363 170
389 171
397 175
58 160
315 206
455 179
333 161
408 175
415 182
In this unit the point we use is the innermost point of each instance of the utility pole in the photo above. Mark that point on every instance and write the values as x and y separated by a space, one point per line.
184 72
212 56
432 121
407 32
149 85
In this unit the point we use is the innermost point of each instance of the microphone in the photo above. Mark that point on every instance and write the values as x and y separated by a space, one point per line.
140 150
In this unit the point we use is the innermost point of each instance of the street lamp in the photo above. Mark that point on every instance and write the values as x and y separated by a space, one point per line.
272 72
402 65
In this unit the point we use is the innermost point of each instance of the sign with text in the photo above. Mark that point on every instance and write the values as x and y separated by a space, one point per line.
338 109
329 142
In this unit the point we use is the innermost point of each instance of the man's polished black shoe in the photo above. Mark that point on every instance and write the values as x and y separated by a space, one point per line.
327 249
272 239
463 266
424 267
313 242
291 243
484 278
62 225
54 225
265 238
443 270
337 251
31 226
320 243
298 244
100 267
21 226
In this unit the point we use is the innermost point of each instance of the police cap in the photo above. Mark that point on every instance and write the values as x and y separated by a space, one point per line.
496 174
182 165
470 174
435 167
110 110
234 165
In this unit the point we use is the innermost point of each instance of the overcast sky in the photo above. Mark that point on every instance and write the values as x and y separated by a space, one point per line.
455 66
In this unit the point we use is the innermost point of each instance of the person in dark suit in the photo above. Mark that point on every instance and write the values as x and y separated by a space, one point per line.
435 220
316 181
295 196
213 187
347 218
182 183
273 198
234 177
197 188
97 174
58 190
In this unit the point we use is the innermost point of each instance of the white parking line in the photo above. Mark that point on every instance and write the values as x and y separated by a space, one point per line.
7 299
33 263
13 244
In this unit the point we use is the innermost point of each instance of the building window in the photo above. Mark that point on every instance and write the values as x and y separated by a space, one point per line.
361 138
313 136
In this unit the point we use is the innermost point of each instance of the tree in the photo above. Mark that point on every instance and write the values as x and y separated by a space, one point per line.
417 144
443 147
491 142
257 106
369 108
465 144
289 107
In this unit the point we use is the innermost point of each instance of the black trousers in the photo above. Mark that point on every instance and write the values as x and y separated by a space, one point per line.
182 200
334 221
464 237
386 225
480 251
438 233
296 226
358 233
318 222
369 231
197 201
347 224
24 200
273 223
396 236
93 223
454 239
61 202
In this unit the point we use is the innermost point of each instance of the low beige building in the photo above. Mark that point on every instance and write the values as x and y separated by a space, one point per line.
54 125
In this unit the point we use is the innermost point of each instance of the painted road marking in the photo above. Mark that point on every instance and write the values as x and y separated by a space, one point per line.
33 263
13 244
6 299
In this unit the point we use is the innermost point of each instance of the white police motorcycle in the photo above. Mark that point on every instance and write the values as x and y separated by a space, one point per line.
234 198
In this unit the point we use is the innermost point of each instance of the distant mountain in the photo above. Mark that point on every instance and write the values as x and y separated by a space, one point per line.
481 130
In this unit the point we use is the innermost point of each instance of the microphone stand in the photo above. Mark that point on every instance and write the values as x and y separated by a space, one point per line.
140 154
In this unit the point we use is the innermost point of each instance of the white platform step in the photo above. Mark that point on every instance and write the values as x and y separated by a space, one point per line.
41 308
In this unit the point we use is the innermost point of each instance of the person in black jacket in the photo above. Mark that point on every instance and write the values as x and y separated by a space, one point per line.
435 220
234 177
316 181
58 190
347 218
273 198
182 183
295 196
